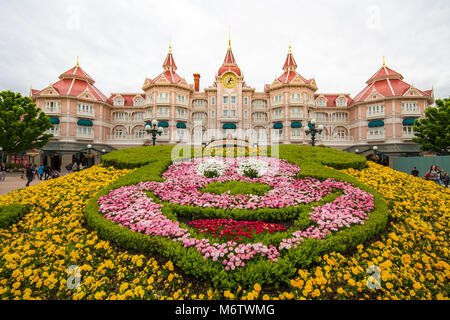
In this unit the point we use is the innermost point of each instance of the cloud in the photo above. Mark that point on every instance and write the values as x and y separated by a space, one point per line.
120 43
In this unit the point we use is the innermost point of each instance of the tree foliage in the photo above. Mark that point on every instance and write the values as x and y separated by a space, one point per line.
433 131
22 124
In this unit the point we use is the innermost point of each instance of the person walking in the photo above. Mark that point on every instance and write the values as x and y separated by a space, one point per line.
440 175
75 167
35 171
415 172
69 168
29 174
46 172
3 170
41 171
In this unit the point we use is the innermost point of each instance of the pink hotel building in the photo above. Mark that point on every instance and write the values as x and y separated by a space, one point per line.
381 114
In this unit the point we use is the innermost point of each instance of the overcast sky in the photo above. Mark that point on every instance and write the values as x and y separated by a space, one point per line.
339 43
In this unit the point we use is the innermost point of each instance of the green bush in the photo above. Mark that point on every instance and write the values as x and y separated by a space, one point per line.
11 214
320 163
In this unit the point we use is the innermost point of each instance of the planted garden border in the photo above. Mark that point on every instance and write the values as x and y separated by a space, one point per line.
314 162
11 214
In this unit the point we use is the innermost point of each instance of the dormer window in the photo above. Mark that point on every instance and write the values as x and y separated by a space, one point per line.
341 102
321 102
138 102
118 101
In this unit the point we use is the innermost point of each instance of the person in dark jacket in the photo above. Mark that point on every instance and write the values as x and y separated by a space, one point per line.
29 173
47 171
3 170
415 172
446 179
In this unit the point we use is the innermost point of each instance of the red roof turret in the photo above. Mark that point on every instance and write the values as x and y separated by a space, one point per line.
229 63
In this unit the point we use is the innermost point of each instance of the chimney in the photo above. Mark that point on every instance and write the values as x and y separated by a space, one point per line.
196 82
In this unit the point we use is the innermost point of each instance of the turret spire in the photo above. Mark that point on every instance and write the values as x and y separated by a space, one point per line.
78 63
290 64
384 61
169 63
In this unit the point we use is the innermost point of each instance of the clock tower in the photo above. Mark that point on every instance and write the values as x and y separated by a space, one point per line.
229 81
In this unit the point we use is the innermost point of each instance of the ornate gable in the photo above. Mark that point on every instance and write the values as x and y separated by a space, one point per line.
49 91
412 92
374 95
86 94
297 80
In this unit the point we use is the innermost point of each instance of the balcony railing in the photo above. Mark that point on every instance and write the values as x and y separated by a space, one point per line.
229 119
162 116
296 116
277 103
410 111
85 135
86 114
162 101
54 132
277 117
375 115
408 135
376 136
259 106
259 120
181 116
296 102
52 110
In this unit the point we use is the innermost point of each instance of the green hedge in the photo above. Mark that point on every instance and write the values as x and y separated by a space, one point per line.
11 214
314 162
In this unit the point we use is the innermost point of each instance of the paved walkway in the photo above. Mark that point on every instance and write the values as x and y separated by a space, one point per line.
14 182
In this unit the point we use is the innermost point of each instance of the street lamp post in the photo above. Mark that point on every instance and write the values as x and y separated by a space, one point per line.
313 131
89 147
153 129
378 154
1 155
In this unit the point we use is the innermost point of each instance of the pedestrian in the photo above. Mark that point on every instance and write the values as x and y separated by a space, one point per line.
69 168
81 166
41 171
440 175
446 179
35 171
29 174
47 170
415 172
75 167
432 174
3 170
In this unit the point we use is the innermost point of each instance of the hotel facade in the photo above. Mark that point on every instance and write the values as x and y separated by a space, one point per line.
381 114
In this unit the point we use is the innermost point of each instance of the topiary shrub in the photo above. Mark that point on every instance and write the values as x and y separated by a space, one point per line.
11 214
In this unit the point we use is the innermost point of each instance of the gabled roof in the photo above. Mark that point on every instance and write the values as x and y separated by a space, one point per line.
77 73
73 83
384 73
128 98
331 98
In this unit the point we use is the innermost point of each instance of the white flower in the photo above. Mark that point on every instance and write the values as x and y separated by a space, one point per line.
211 165
261 167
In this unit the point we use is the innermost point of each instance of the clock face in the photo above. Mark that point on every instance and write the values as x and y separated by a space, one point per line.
229 80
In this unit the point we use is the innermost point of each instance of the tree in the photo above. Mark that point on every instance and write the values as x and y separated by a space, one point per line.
22 124
433 131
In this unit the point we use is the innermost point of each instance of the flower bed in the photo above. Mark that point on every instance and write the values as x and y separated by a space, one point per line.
185 179
412 254
130 207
